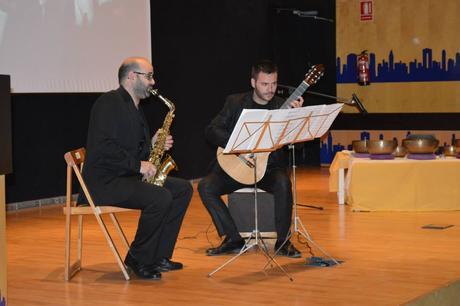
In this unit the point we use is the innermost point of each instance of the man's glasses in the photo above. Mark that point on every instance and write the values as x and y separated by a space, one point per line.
147 75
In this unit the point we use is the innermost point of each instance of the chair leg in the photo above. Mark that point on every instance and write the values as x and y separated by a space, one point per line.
80 240
120 231
112 246
68 224
67 246
71 269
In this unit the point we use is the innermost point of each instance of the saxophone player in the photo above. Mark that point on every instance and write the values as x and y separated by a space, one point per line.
117 166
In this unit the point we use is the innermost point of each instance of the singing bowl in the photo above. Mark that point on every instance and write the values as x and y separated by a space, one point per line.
360 146
400 151
420 146
457 144
449 150
381 146
421 136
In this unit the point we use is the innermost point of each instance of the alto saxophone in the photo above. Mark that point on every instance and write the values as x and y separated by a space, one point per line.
162 162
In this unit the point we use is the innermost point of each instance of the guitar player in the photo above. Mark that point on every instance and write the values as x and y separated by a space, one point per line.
264 76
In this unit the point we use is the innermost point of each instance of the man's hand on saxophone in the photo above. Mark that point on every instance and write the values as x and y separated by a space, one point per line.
168 141
147 169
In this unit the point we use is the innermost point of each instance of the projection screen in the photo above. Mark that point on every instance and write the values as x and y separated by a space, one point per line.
70 45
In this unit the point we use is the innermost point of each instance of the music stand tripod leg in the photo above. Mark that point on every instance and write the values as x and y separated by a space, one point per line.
255 235
303 232
294 167
247 246
307 236
297 219
289 235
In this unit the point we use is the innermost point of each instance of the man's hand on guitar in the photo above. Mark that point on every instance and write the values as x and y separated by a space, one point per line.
297 103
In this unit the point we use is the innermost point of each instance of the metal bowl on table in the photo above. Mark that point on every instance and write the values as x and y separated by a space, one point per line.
360 146
400 151
449 150
457 145
421 146
382 146
421 136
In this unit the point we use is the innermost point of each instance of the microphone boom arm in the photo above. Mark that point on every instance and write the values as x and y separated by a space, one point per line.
354 101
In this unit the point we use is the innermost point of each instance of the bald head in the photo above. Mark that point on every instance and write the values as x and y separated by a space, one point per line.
131 64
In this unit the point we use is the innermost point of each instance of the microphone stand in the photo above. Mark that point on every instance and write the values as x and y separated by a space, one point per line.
304 14
294 186
354 102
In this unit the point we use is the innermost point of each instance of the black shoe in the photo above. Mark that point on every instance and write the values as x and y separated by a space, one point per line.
227 246
165 265
288 250
142 270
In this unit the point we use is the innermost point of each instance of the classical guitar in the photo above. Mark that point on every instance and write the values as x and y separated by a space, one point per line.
240 166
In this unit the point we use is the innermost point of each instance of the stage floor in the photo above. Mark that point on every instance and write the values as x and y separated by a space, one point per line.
388 259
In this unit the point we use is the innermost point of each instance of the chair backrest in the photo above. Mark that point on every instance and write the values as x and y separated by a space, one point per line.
75 160
75 157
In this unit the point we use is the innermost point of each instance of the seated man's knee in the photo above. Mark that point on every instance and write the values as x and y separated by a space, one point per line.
203 186
189 189
162 199
183 189
284 184
207 191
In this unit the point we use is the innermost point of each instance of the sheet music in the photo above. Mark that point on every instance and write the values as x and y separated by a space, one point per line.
248 127
287 122
320 120
267 130
331 110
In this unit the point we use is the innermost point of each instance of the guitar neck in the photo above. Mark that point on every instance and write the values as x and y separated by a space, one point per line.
295 95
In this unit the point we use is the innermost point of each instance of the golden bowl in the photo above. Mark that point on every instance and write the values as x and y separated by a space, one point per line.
420 136
420 146
381 146
400 151
449 150
360 146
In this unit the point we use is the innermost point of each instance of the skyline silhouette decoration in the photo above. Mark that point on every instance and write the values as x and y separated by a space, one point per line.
388 70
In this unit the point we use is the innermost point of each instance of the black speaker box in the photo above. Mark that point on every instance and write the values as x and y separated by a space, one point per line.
242 209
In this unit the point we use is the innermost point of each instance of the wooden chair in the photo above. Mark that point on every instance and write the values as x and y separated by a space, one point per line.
75 160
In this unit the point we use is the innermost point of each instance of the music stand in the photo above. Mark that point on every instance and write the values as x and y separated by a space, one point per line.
302 231
354 102
248 138
268 130
325 117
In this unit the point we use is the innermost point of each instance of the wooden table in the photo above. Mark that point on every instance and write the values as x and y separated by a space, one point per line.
401 184
337 174
396 185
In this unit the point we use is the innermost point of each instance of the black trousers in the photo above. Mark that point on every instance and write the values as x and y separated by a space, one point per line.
275 181
162 212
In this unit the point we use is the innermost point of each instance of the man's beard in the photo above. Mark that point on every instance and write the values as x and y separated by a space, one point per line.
266 97
141 90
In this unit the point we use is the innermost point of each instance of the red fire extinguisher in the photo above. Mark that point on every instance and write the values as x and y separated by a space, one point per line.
363 69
